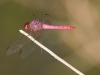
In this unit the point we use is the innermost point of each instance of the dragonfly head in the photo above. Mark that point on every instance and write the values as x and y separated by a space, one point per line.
27 25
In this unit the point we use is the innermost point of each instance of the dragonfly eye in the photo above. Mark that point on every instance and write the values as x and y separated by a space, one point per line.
26 26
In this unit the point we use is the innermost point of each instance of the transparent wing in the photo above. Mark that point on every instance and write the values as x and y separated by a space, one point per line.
15 46
35 18
46 19
44 33
31 46
28 48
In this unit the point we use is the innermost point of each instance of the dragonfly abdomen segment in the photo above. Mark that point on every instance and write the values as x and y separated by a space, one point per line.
45 26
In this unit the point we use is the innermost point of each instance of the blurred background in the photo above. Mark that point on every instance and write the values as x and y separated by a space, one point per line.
79 47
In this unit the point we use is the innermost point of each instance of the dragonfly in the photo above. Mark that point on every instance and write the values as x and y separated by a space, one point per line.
39 28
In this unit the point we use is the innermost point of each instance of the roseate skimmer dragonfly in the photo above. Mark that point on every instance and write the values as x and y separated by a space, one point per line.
37 26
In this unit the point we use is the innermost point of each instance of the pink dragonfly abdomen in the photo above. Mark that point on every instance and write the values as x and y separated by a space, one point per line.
45 26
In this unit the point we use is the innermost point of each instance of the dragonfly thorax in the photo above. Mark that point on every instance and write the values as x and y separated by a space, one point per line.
36 25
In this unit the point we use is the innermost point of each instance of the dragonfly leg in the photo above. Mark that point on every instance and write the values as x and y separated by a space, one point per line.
37 33
30 32
20 52
7 48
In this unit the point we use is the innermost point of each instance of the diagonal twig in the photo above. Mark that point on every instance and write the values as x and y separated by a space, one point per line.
51 53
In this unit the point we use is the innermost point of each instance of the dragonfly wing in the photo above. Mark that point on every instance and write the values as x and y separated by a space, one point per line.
31 46
28 48
15 46
44 33
46 20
